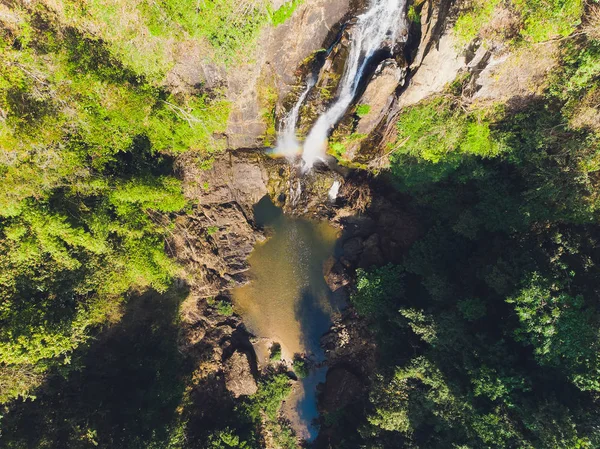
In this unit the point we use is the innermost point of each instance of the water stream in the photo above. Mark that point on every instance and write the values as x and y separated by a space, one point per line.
288 301
287 140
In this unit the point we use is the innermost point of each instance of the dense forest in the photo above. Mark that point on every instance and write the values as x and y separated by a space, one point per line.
490 326
488 332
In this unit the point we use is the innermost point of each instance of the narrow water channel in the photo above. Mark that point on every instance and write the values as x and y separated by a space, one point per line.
288 300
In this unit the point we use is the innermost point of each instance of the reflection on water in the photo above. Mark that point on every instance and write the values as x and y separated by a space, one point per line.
288 300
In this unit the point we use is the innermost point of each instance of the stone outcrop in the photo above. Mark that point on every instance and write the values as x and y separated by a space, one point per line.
439 67
505 76
214 241
238 375
342 387
379 94
377 98
233 176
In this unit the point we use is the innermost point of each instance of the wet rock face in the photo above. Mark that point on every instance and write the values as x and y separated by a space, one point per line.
238 375
273 70
307 194
328 81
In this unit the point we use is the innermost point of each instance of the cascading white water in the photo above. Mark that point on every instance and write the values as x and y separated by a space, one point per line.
287 141
382 22
334 191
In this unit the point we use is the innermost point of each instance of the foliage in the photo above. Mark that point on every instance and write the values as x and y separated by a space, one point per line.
401 403
375 290
545 19
85 155
301 367
488 328
212 230
339 144
275 352
225 308
147 35
362 110
536 20
128 383
226 439
268 398
285 11
413 14
440 130
470 21
561 329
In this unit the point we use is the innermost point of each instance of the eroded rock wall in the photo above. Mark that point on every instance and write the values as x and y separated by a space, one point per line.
259 86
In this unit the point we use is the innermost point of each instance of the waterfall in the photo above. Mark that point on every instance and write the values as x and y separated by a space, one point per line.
287 141
334 191
378 25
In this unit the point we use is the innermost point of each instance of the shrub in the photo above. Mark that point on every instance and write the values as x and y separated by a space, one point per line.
275 352
285 12
301 367
531 20
362 110
546 19
271 392
222 306
473 19
413 14
212 230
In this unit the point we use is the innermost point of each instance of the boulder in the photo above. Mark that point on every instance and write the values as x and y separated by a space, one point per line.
371 255
352 248
336 275
239 379
341 388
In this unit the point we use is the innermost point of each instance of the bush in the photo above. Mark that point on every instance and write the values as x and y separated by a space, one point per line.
222 306
275 352
439 129
285 11
536 20
301 367
547 19
362 110
271 392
